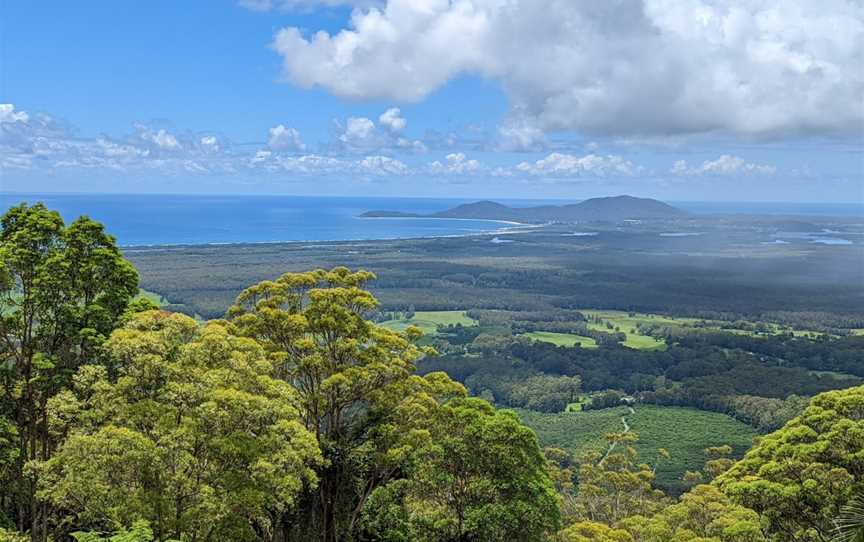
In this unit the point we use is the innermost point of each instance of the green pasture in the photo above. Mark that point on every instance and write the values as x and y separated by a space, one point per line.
428 321
561 339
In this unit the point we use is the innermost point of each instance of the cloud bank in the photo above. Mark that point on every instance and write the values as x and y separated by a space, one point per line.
757 68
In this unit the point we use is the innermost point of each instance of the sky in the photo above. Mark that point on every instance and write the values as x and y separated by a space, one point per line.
699 100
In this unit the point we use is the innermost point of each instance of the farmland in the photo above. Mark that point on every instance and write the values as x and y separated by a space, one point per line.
428 321
684 432
562 339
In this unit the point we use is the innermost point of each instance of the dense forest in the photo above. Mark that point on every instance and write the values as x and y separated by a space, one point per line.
298 415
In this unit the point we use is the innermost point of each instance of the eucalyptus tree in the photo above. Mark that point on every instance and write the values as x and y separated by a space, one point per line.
351 376
194 436
799 477
62 290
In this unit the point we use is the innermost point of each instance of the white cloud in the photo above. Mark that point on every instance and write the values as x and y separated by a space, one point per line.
568 165
383 166
628 68
360 134
520 136
161 138
283 138
8 114
393 120
724 165
455 164
209 143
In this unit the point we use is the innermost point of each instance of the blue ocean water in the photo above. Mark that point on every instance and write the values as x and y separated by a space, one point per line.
183 219
193 219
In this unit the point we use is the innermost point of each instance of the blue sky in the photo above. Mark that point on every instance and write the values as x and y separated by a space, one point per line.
700 100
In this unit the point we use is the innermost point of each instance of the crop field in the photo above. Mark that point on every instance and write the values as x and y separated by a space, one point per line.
562 339
428 321
684 432
577 432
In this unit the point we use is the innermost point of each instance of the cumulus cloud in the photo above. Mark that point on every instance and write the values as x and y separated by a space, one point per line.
283 138
568 165
160 139
393 120
724 165
765 68
520 136
455 164
8 115
209 143
361 134
382 166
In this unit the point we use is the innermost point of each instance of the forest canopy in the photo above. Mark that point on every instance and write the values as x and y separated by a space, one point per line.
296 417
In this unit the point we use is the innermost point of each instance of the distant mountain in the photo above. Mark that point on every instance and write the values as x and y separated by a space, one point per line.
609 209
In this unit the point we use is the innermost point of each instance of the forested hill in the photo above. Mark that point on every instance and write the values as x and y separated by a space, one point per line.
596 209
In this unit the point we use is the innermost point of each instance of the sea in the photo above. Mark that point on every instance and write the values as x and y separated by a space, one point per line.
148 220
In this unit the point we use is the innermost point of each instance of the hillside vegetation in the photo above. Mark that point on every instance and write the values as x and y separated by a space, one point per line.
684 432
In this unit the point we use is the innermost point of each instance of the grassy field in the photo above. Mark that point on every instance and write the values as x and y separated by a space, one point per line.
428 321
684 432
627 325
562 339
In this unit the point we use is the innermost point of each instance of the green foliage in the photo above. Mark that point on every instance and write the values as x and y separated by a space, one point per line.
703 515
614 486
562 339
850 522
481 476
12 536
590 531
545 393
798 477
684 432
140 532
62 291
429 321
194 435
353 381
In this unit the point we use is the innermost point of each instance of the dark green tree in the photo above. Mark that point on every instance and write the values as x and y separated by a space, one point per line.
62 291
480 477
800 476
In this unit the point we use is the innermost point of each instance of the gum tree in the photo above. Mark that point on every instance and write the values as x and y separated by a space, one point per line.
62 290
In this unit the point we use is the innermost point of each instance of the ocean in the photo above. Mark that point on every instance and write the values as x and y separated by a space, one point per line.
193 219
137 220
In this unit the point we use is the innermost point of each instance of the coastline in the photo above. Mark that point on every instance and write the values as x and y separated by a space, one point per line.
442 218
517 228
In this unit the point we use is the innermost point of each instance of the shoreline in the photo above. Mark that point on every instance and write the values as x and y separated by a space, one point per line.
443 218
517 228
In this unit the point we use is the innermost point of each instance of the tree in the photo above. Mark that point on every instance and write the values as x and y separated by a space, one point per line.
703 514
545 393
850 523
718 460
356 391
614 486
194 435
62 290
798 477
480 477
140 532
589 531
